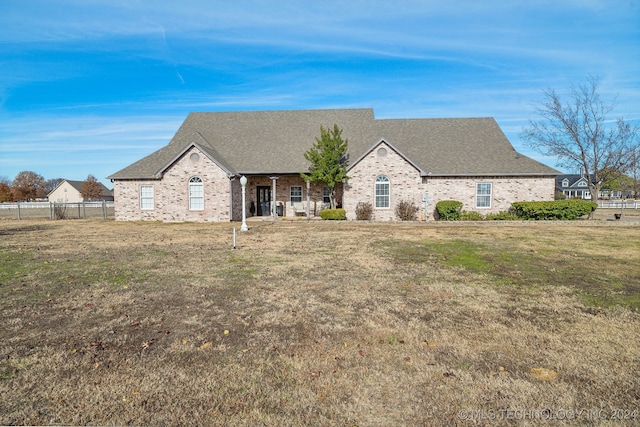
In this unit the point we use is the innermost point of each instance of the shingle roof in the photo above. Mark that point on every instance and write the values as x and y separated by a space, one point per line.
573 180
274 142
455 147
104 191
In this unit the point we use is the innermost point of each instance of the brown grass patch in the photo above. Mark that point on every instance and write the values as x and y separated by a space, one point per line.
316 323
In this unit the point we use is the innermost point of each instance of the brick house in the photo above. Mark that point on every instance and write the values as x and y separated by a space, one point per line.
196 176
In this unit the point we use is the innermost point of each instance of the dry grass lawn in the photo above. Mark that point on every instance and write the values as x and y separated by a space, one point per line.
319 323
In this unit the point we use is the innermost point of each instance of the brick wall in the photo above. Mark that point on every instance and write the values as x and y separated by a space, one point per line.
407 184
171 194
505 190
126 196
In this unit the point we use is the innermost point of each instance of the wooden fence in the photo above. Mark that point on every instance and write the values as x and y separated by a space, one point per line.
52 210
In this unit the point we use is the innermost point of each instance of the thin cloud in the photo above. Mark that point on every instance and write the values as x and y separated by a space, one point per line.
113 79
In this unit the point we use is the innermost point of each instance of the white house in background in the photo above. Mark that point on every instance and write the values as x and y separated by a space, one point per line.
69 192
196 177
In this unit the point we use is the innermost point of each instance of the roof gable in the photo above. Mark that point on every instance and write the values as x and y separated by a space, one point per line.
573 180
398 152
77 185
209 152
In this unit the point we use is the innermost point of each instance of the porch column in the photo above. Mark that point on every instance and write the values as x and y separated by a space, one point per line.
274 199
308 199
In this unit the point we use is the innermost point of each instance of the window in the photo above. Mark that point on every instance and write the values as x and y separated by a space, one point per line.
196 194
382 192
296 195
483 195
146 197
325 195
565 182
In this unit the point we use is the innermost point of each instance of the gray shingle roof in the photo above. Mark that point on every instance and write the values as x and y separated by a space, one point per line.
274 142
457 147
104 191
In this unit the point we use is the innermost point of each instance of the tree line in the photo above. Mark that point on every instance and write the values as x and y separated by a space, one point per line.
29 185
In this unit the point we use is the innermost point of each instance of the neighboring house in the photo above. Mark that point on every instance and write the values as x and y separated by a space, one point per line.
576 187
68 191
573 186
196 176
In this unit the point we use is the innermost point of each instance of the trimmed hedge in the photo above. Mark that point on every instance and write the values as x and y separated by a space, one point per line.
448 210
553 210
333 214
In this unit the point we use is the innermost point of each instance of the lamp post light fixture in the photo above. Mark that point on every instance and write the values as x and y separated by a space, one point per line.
243 182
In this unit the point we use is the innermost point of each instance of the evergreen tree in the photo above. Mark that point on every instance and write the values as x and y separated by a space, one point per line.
328 158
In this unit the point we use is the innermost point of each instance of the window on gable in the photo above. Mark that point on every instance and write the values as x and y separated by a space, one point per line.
382 192
296 194
483 195
146 197
565 182
196 194
582 184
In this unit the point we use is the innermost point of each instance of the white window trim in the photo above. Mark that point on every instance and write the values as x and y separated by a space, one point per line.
375 192
146 198
291 196
196 182
478 195
326 195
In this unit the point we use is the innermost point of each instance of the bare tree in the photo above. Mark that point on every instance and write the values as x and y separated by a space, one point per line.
580 134
51 184
635 170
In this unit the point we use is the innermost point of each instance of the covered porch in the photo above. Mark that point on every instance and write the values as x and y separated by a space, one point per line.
281 196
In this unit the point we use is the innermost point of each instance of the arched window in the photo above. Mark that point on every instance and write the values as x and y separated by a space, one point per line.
382 192
196 194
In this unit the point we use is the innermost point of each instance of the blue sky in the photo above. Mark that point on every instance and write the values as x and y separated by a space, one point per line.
90 86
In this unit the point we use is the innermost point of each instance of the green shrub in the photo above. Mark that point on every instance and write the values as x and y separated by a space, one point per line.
504 216
448 210
364 211
333 214
555 210
406 210
471 216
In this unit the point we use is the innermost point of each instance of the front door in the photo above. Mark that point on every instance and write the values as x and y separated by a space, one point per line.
264 201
